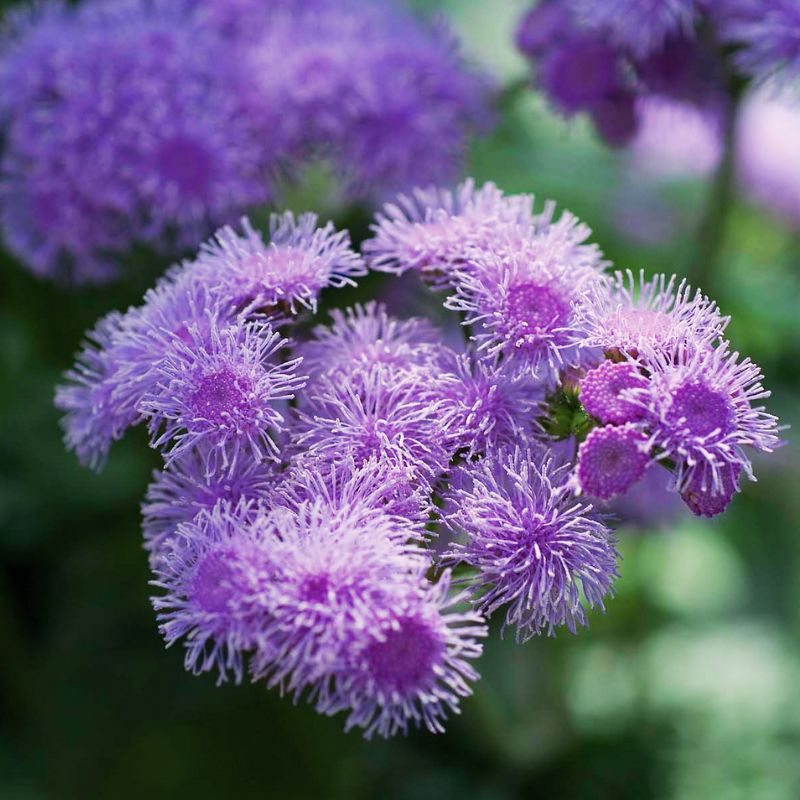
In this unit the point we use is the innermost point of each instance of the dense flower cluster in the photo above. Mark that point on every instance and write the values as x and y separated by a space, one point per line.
325 489
605 57
156 121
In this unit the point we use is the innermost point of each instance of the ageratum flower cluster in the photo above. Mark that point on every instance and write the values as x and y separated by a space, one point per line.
342 506
157 121
604 56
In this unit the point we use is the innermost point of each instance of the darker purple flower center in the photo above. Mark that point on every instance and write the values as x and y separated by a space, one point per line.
404 660
533 307
701 410
213 585
219 395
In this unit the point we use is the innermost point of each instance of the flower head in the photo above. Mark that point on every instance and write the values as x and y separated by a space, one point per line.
611 460
535 547
658 314
219 392
409 663
707 497
601 392
215 579
289 272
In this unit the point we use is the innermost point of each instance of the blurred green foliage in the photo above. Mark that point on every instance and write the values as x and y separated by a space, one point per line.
686 689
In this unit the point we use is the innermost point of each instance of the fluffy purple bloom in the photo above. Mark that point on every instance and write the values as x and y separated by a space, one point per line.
392 488
366 335
536 548
702 412
486 406
611 460
546 23
183 489
287 273
373 88
216 578
658 314
601 388
409 664
123 123
433 230
332 571
639 26
220 391
519 299
377 413
767 33
707 497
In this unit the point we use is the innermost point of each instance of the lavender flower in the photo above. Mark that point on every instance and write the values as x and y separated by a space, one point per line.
332 572
409 663
612 460
535 547
433 230
707 497
220 391
288 273
519 298
601 389
700 406
382 415
656 314
183 489
124 123
216 578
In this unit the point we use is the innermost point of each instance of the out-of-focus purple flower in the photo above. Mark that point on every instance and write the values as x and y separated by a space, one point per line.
363 336
767 156
629 315
537 549
676 139
581 73
702 413
394 489
638 26
650 504
611 460
333 570
300 259
707 497
219 391
123 123
433 230
409 664
184 488
615 118
546 23
377 413
600 391
487 407
519 298
767 33
216 577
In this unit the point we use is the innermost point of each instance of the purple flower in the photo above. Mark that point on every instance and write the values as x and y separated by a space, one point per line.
536 548
601 388
702 413
612 459
546 23
377 414
487 407
394 489
707 497
288 273
332 571
216 578
639 26
123 123
183 489
219 391
767 33
363 336
656 314
433 230
409 663
519 298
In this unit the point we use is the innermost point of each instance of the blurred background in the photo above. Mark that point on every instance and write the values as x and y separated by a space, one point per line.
688 688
